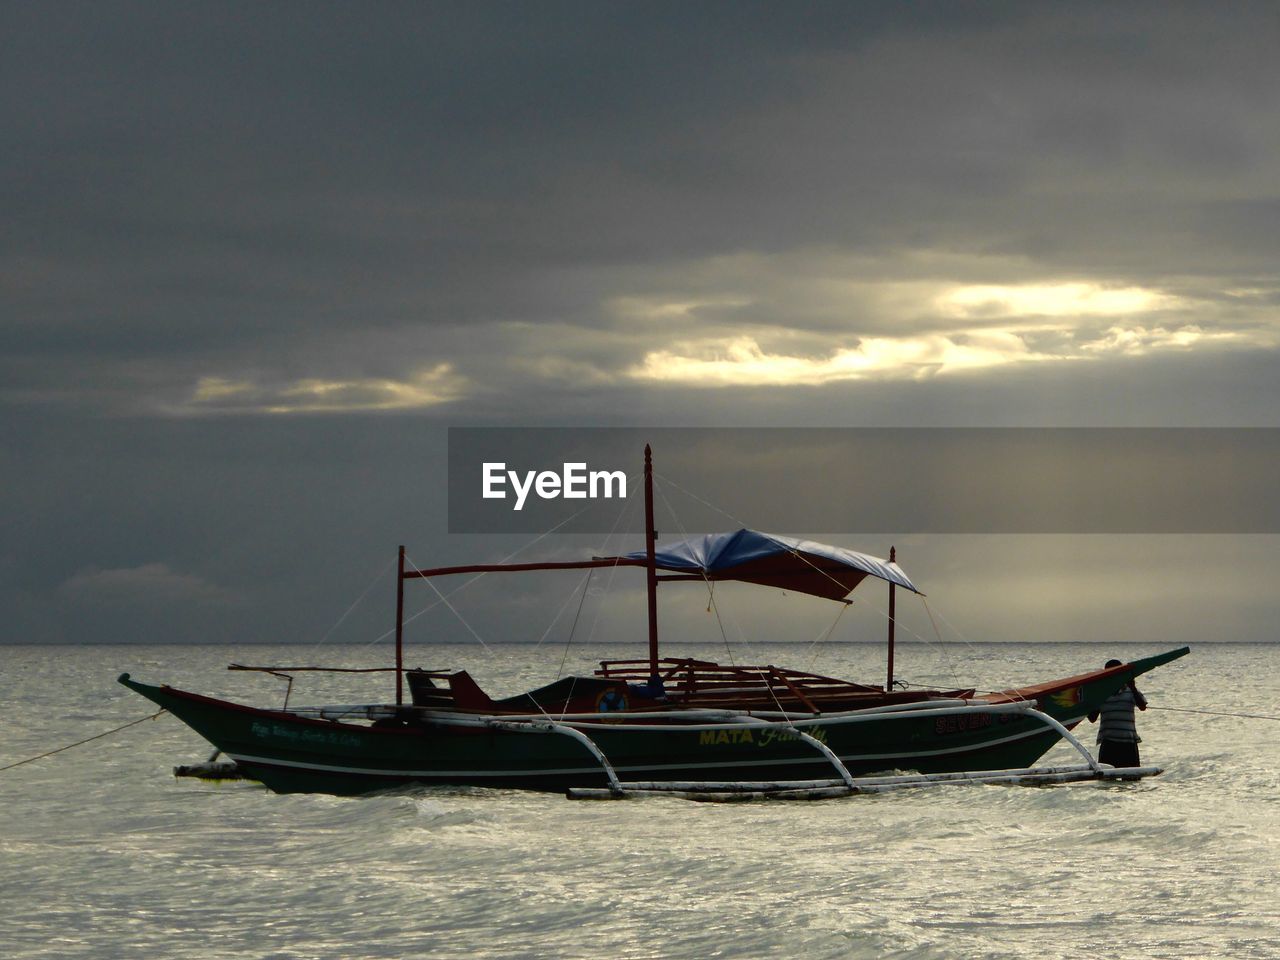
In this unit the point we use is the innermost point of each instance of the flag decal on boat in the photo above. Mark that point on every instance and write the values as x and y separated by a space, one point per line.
1068 697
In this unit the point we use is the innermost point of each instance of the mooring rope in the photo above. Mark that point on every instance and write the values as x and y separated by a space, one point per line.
50 753
1217 713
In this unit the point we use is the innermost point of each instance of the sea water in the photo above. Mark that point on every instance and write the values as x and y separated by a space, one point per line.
104 854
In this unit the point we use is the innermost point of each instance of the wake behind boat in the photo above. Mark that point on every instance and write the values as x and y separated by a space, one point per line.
669 725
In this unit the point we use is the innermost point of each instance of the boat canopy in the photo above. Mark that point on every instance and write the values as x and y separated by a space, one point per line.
753 557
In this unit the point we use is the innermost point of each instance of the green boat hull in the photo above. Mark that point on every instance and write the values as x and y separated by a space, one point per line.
291 754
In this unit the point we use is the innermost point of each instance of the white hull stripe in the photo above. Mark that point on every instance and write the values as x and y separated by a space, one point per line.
557 771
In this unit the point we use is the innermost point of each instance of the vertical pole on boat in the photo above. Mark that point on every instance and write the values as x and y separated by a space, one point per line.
400 629
893 598
650 539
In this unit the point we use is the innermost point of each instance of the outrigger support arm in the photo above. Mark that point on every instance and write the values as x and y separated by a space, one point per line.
550 726
1065 734
817 744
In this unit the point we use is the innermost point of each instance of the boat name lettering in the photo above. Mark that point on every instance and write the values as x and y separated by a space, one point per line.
711 738
276 731
959 723
573 482
759 736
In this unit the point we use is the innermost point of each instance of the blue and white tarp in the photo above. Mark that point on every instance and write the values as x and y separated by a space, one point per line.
786 562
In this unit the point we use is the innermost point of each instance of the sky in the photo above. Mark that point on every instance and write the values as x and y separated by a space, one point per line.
257 259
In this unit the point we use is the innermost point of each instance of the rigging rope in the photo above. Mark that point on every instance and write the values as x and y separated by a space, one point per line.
711 590
942 644
1216 713
462 586
328 633
954 629
573 627
712 597
445 601
50 753
559 613
372 583
623 515
795 553
723 635
824 637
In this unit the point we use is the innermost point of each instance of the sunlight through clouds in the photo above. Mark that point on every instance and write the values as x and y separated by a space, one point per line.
976 327
741 360
657 308
428 388
1135 341
1052 300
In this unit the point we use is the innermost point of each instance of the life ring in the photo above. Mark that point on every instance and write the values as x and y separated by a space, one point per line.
611 701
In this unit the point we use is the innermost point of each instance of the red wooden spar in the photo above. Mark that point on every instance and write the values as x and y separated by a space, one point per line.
651 577
893 597
512 567
400 631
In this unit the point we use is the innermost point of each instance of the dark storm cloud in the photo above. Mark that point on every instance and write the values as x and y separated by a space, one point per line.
210 184
502 213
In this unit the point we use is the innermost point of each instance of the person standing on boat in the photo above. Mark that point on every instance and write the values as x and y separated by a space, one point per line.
1118 733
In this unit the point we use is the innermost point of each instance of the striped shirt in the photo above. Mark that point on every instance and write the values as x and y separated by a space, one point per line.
1117 716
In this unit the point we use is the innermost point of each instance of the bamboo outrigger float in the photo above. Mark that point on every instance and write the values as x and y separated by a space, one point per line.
679 727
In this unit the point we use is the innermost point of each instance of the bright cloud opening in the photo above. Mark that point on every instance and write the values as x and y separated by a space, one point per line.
657 308
431 387
1135 341
741 361
1052 300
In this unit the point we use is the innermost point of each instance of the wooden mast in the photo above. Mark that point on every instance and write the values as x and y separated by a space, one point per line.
893 591
400 630
651 576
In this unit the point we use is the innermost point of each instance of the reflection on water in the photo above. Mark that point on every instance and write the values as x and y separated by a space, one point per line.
105 854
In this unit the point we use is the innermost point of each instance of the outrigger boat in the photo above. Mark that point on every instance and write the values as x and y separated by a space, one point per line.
665 725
